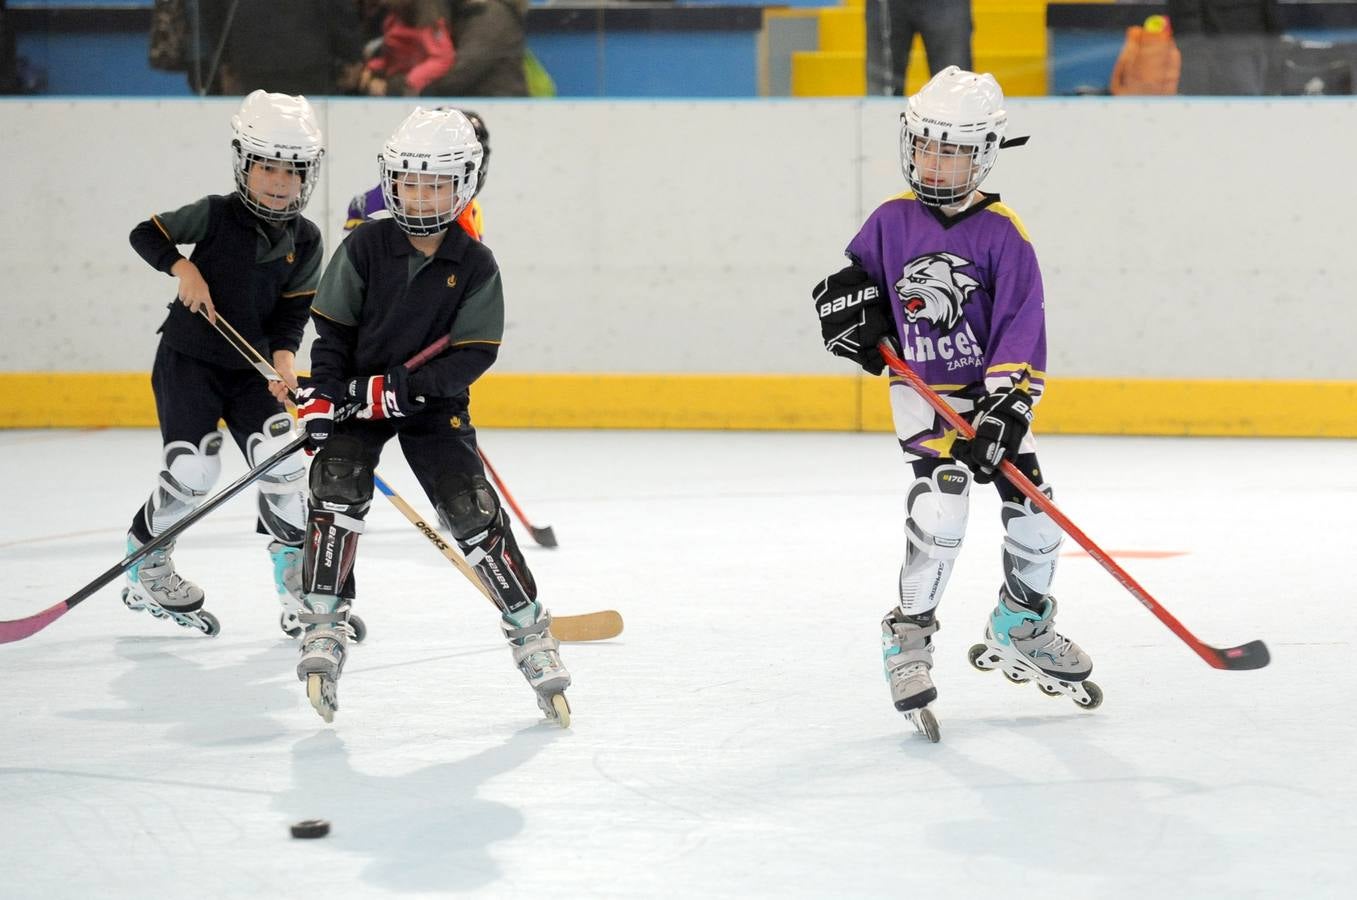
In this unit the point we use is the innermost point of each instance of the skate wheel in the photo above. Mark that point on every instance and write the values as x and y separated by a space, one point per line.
561 709
1049 691
1018 679
975 654
1095 696
208 623
293 631
360 629
927 723
315 692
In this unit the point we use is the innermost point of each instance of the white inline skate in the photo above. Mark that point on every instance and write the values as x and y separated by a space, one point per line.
907 655
154 586
537 655
324 646
1025 646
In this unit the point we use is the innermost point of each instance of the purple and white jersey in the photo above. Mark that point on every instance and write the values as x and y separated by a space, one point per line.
968 304
368 205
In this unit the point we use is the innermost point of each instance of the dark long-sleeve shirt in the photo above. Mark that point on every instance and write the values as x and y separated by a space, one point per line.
380 302
261 278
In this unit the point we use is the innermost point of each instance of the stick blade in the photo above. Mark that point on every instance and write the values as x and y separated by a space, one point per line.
545 537
597 626
1253 655
18 629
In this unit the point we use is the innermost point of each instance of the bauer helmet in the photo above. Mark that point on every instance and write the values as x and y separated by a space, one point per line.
957 113
277 128
434 147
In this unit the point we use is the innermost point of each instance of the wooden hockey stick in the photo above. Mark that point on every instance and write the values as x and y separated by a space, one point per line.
18 629
595 626
543 536
1253 655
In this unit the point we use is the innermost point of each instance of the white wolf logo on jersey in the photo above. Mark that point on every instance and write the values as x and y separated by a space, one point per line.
931 289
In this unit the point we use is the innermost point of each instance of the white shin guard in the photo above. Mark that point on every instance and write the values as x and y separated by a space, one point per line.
189 473
282 490
935 526
1032 542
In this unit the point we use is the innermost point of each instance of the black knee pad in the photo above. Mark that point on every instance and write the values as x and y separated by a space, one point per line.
341 474
468 503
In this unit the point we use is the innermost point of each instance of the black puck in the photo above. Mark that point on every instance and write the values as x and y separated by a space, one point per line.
311 828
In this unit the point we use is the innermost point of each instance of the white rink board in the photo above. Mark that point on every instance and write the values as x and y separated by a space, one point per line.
737 740
1180 238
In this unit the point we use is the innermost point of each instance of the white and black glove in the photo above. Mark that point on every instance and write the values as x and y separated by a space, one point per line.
385 396
1001 422
854 317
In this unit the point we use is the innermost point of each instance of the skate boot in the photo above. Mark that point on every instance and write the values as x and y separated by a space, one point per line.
907 654
537 655
1024 645
325 639
153 585
287 579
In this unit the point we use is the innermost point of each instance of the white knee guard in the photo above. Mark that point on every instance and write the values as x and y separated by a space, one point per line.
1032 541
282 490
189 473
935 526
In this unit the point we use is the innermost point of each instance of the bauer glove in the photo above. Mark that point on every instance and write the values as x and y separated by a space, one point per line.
854 317
385 396
315 413
1002 420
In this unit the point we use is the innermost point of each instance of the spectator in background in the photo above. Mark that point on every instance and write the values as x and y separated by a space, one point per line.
415 49
489 37
945 26
1227 45
1149 63
295 47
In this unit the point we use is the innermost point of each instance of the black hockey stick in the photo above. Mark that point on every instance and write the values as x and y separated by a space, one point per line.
543 536
18 629
595 626
1253 655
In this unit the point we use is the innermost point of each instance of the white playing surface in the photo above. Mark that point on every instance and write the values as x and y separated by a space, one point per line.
738 739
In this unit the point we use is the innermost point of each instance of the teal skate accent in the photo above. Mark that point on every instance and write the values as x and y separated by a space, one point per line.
526 616
321 603
1004 619
889 648
134 570
282 559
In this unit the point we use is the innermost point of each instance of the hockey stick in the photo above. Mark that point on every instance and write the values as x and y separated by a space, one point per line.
18 629
596 626
544 536
1253 655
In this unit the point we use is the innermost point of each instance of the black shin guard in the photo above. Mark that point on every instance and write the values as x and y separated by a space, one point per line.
341 492
481 528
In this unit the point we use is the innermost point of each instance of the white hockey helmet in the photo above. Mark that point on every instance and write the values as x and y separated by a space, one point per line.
956 112
436 147
277 127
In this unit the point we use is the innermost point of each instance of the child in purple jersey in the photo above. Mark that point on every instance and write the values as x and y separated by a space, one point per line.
948 274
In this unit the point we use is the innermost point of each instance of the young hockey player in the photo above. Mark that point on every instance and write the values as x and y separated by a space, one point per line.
395 286
948 272
371 204
257 260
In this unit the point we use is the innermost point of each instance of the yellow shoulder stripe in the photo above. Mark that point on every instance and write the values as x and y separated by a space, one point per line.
1009 214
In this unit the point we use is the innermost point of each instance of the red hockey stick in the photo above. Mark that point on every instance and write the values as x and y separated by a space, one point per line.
544 536
1253 655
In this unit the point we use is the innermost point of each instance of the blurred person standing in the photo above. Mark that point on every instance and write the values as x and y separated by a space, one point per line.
307 47
1227 46
415 49
490 43
945 26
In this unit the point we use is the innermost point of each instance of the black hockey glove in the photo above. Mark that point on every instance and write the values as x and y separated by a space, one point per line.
385 396
316 412
854 317
1001 422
